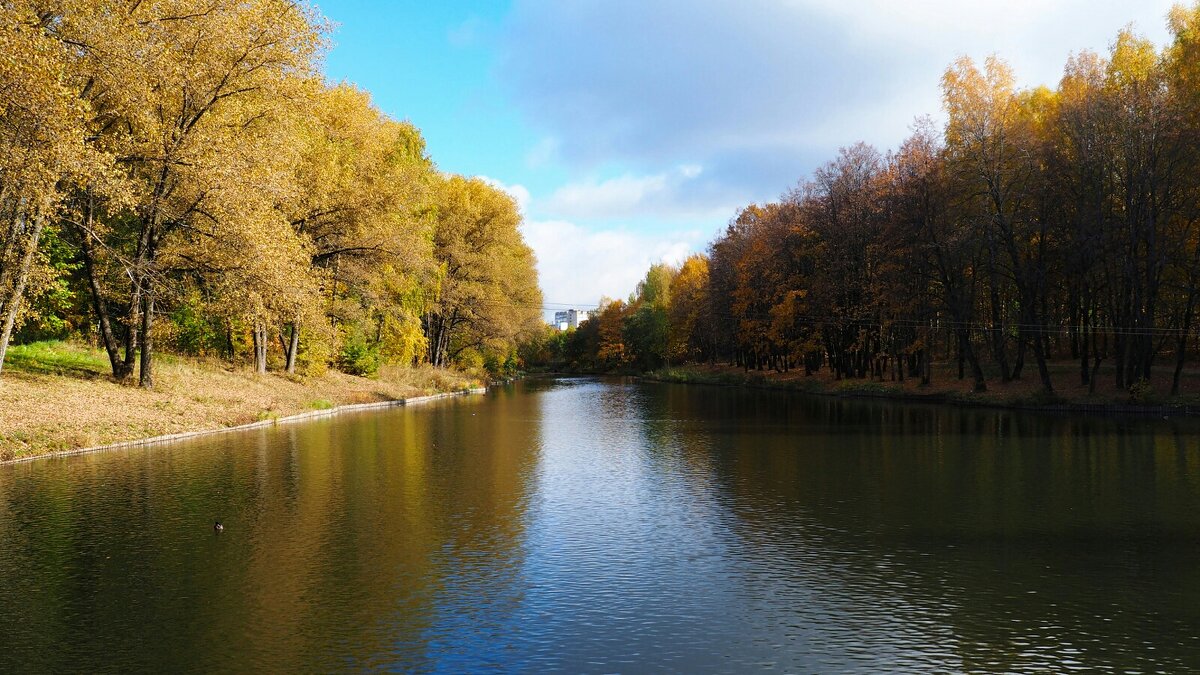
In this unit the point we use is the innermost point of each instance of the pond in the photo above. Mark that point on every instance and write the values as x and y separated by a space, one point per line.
615 525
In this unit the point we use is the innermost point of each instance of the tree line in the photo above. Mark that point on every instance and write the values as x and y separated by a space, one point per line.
1036 224
178 174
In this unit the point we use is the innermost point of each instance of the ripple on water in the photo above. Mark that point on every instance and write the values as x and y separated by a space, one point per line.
587 525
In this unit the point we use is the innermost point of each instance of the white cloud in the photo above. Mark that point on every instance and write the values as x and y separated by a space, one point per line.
1046 25
577 265
710 104
669 195
1035 36
518 192
759 92
614 197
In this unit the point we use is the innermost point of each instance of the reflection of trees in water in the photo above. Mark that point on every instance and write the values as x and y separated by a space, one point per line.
1016 537
340 537
397 538
38 538
481 481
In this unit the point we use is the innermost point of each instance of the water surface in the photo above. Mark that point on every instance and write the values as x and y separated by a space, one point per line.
608 525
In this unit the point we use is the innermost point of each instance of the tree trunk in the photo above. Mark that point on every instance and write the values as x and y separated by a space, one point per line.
962 363
146 375
1039 355
964 342
120 369
1082 353
1019 364
259 334
143 289
12 304
132 322
1119 342
997 329
1181 345
293 348
1030 317
927 366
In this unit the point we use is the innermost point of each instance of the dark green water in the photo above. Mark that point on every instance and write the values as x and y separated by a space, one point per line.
587 525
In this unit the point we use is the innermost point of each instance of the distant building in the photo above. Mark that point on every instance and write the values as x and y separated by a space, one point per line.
570 318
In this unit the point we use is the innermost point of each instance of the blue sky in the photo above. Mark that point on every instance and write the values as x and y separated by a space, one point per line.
631 131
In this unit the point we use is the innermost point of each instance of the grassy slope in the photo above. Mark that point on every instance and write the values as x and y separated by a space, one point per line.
60 396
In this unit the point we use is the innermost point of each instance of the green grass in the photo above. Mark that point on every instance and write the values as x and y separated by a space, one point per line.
685 375
688 376
267 415
56 358
321 404
861 387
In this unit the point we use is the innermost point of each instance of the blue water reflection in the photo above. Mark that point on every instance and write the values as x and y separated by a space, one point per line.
594 525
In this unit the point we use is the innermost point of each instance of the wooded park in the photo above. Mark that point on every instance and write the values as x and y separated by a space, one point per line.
1037 226
178 175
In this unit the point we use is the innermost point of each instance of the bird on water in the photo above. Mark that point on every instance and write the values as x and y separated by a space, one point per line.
217 526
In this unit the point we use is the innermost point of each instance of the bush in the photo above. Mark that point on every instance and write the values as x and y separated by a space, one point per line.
194 333
470 360
498 366
358 358
1142 393
315 354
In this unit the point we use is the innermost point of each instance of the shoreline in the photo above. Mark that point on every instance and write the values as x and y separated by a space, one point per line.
883 392
277 421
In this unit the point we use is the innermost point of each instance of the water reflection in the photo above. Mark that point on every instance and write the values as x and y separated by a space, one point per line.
942 538
592 525
335 548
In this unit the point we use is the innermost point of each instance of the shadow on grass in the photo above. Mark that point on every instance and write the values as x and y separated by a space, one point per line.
55 358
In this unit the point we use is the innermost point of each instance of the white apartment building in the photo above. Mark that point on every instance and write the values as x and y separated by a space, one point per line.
570 318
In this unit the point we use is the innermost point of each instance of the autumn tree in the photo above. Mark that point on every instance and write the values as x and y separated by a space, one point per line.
990 141
1038 221
42 148
687 336
611 349
925 276
360 204
483 292
646 328
182 92
1182 64
843 207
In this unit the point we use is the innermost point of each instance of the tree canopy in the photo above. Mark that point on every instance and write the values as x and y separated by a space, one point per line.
176 173
1037 224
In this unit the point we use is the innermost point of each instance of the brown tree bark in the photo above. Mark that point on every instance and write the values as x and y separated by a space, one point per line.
120 368
292 347
965 349
146 360
11 305
259 334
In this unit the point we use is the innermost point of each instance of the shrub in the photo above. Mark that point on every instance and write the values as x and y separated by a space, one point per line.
358 358
194 333
1142 393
